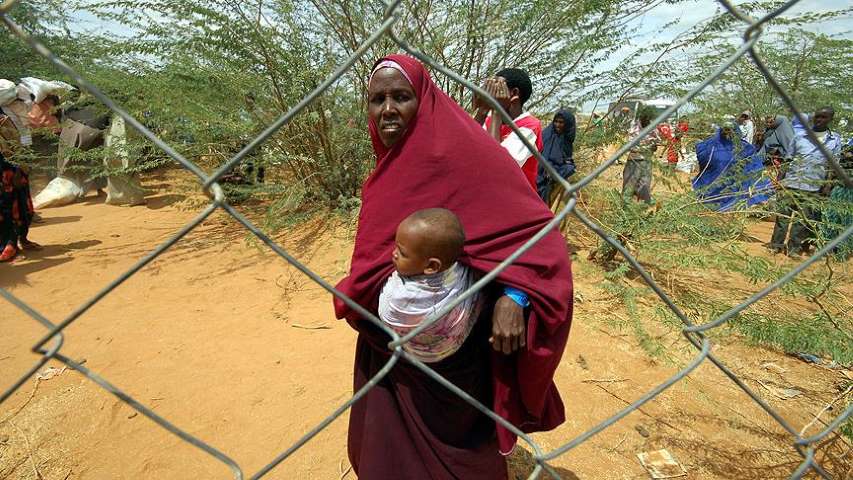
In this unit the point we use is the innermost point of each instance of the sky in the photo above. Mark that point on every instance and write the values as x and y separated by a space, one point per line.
690 13
694 11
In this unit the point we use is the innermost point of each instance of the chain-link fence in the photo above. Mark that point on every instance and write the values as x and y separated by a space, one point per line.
49 346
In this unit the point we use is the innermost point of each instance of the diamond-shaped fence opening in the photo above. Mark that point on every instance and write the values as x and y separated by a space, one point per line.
49 346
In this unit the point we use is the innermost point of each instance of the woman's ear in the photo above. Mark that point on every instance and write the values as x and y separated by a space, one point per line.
433 266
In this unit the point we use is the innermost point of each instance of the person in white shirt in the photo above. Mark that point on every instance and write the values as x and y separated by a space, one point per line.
806 175
747 127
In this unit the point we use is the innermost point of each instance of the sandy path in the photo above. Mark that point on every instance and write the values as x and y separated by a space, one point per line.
211 336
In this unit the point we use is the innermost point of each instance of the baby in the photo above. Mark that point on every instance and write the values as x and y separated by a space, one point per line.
427 278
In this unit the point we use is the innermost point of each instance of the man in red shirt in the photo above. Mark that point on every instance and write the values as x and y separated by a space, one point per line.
512 88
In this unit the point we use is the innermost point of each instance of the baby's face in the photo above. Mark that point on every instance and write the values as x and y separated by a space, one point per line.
409 258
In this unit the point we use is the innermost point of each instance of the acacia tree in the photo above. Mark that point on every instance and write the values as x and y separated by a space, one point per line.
190 64
812 67
216 73
798 57
559 43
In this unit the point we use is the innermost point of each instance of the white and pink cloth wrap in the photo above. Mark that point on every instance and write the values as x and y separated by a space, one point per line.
389 64
405 302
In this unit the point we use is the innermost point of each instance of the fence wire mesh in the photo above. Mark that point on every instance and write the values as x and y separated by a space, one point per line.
695 334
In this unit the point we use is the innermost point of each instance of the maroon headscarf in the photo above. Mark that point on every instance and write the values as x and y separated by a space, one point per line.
445 159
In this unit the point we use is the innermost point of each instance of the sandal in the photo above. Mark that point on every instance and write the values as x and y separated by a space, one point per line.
9 253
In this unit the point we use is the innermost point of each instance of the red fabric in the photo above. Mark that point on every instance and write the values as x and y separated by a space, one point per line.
530 167
41 115
529 171
665 131
681 129
445 159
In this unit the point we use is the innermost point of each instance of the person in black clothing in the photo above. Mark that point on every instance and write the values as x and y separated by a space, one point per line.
16 210
557 149
250 117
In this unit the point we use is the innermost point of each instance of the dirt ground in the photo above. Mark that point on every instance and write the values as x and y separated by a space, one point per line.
225 340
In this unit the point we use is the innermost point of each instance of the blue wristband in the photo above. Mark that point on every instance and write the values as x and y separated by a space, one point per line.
517 296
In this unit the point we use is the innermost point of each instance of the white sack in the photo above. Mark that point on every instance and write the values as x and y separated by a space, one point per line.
60 191
8 92
42 88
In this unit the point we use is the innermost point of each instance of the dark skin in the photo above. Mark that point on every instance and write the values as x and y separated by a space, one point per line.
392 104
508 325
409 256
822 119
644 122
508 98
559 125
820 123
770 121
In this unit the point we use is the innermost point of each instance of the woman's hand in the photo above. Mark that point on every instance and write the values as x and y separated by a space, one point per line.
508 328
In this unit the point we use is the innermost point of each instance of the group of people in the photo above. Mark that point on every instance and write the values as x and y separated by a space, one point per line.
44 110
512 88
452 195
806 180
742 164
24 107
730 172
450 198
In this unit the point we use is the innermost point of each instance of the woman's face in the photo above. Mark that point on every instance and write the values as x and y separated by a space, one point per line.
559 124
391 104
727 133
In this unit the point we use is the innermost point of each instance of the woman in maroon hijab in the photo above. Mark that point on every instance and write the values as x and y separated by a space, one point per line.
430 153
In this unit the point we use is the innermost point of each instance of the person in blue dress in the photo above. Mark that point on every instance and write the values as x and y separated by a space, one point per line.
730 172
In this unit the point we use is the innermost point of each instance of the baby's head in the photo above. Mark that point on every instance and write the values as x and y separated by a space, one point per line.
428 241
